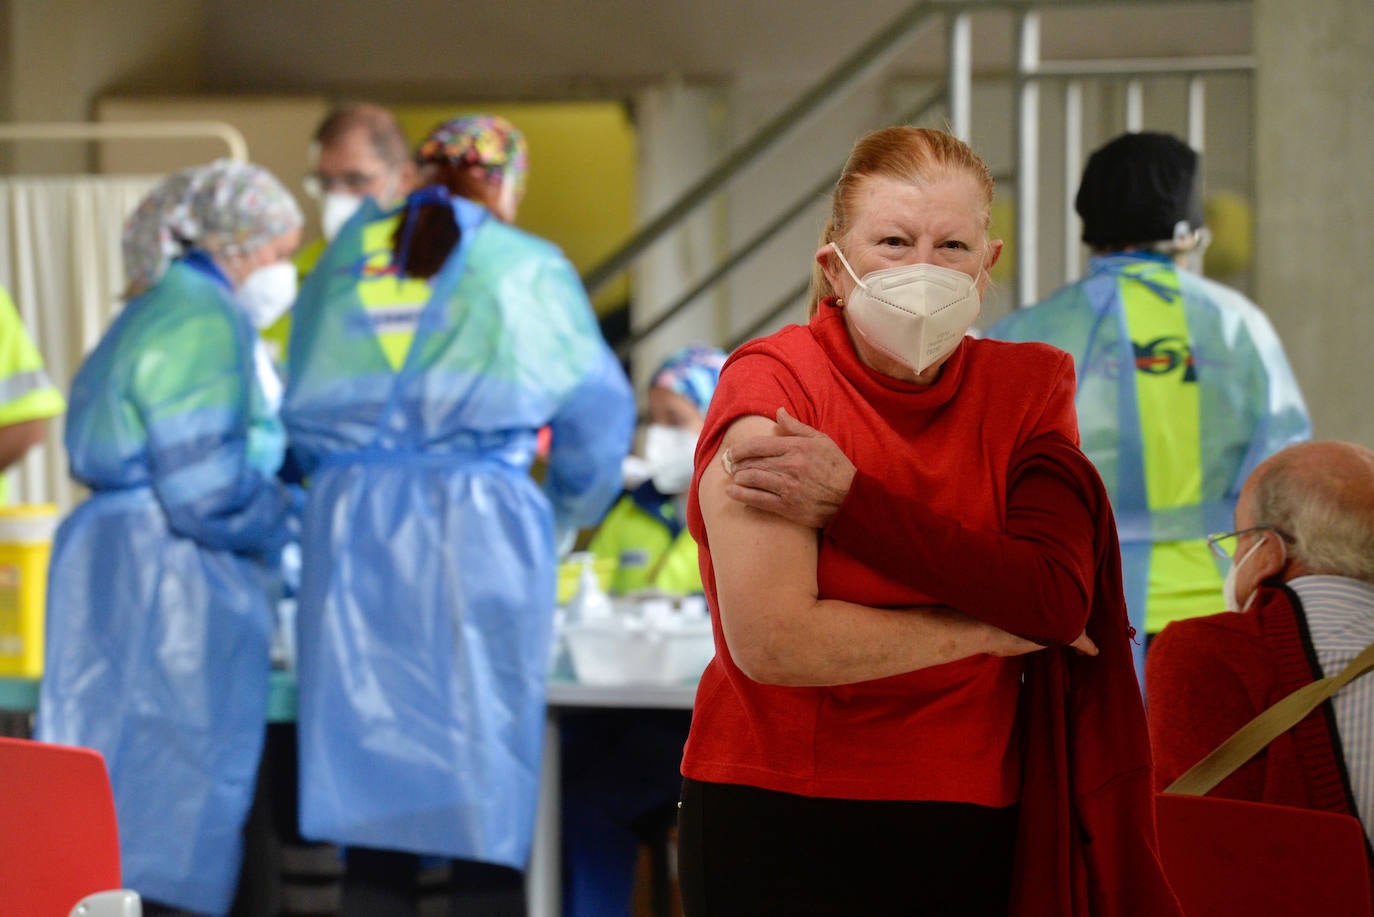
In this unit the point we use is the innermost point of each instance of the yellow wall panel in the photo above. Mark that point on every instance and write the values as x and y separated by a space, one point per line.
581 190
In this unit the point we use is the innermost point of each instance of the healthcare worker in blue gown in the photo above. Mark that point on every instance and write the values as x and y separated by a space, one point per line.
428 348
161 583
1183 386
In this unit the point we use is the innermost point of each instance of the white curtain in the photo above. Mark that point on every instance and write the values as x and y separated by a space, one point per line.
60 261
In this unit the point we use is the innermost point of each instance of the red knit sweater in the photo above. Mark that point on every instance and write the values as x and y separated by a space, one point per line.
1209 676
943 451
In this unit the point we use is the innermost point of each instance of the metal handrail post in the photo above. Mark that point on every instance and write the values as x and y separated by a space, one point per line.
128 130
1146 66
871 55
1027 156
1135 106
1073 172
1197 113
961 75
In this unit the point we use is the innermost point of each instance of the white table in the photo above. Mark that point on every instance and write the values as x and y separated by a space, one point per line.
544 877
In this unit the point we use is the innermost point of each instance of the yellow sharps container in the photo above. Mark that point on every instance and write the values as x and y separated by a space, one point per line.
26 532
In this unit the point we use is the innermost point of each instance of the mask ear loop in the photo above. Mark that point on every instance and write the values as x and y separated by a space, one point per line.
1283 548
836 249
1283 553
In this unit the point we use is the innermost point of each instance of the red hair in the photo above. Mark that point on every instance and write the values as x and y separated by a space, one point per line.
434 232
913 154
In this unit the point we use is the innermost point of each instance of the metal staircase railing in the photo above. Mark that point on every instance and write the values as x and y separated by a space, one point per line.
742 252
1031 73
869 56
1028 75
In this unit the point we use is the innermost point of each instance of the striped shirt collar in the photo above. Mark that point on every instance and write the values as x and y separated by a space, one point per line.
1339 610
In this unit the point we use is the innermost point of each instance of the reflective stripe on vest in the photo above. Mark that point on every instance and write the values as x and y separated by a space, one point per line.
392 305
1184 581
21 383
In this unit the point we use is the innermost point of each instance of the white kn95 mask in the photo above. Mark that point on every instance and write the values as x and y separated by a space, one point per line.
915 313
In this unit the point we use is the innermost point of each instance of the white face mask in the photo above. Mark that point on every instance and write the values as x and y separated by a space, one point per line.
335 209
669 451
1228 587
268 292
917 313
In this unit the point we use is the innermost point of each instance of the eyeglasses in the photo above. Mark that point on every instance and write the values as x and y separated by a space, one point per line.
1224 545
318 185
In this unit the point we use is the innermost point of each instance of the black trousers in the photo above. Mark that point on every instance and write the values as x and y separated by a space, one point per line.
747 851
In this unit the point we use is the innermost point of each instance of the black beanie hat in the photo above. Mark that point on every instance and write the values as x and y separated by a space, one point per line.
1136 188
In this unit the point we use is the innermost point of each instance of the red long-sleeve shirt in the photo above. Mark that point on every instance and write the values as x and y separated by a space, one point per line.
971 493
927 522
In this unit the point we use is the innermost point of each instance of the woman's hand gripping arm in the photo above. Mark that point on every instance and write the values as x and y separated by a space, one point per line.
778 628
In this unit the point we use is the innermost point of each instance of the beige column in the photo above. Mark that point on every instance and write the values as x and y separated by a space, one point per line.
679 140
1314 150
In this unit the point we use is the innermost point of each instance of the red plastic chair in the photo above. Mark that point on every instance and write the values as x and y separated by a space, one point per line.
1226 857
59 844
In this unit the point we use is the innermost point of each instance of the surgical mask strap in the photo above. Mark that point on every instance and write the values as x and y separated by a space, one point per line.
836 249
1279 539
1253 548
1232 577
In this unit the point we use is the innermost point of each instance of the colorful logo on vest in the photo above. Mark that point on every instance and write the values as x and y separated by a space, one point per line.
1164 355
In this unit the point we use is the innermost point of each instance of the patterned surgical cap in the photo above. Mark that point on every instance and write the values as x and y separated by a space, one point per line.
489 141
692 372
224 208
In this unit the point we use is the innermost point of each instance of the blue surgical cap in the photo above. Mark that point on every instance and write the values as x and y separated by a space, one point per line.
692 372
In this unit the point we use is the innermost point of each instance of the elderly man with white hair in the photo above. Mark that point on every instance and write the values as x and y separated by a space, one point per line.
1300 598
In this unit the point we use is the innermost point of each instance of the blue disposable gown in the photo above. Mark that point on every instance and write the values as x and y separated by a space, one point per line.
1248 404
158 595
428 579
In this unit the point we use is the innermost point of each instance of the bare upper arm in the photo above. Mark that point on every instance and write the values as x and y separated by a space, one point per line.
765 565
18 438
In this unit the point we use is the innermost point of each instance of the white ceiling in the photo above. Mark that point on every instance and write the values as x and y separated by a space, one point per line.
440 49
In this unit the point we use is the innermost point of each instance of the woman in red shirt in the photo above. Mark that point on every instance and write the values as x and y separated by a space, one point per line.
856 744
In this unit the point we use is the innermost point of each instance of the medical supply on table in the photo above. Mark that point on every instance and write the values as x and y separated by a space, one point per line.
646 639
583 581
570 573
26 532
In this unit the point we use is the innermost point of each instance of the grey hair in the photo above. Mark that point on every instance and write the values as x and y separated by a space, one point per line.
1330 536
384 133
